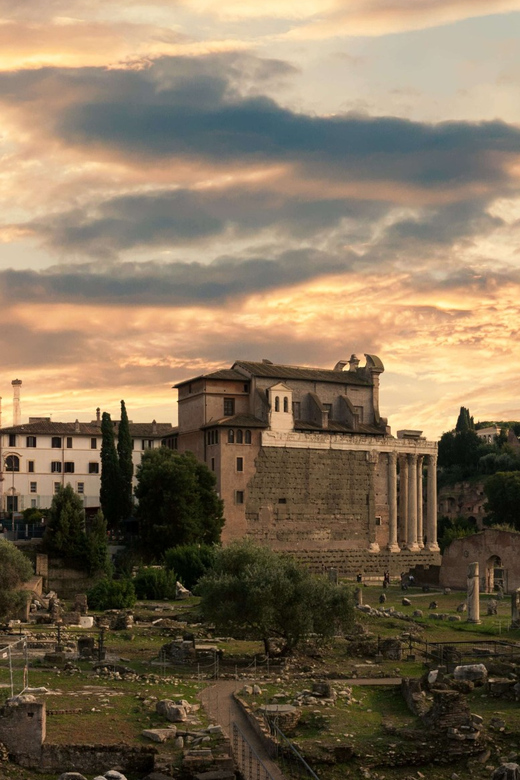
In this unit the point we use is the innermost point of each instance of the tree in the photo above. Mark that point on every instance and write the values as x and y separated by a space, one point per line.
15 569
65 533
126 466
464 421
503 498
112 594
97 547
190 562
110 491
178 503
256 592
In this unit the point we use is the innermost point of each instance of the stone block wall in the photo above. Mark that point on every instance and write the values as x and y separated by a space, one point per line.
22 730
92 759
310 498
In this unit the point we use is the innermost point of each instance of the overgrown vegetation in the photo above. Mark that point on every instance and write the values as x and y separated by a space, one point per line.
15 569
112 594
155 583
190 562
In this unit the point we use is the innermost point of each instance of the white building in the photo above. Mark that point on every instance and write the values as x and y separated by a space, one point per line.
39 457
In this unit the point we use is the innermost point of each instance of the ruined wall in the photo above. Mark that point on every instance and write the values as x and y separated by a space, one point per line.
311 498
482 547
97 758
22 730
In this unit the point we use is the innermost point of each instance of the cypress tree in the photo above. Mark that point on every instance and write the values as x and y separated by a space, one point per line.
110 492
126 467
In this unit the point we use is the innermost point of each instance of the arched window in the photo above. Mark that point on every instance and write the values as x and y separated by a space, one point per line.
277 404
285 404
231 436
248 437
240 437
12 463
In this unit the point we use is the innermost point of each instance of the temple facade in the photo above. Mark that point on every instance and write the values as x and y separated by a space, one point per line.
306 464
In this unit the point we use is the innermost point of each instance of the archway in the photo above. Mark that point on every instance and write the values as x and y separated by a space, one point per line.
494 574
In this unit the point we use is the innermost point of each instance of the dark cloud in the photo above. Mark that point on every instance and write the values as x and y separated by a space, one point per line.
203 108
177 217
174 284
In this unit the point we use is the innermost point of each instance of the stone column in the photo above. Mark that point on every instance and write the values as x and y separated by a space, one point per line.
515 608
403 499
420 524
411 535
392 502
431 505
373 460
473 593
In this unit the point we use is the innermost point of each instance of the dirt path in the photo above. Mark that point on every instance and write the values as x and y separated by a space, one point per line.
220 705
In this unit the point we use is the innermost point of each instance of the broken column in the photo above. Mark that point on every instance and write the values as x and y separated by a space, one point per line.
515 608
473 593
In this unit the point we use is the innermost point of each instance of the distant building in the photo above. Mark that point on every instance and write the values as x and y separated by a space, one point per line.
305 462
488 435
39 457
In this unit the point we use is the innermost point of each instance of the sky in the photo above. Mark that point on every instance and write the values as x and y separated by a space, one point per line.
186 183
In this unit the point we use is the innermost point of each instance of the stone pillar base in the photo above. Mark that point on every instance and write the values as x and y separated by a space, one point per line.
433 547
414 547
373 547
394 548
474 622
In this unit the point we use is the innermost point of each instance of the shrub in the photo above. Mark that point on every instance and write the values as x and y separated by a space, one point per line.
112 594
190 562
155 583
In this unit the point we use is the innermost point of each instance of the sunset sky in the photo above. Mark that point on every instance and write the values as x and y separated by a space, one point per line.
185 183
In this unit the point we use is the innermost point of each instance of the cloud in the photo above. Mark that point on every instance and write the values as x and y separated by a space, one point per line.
193 109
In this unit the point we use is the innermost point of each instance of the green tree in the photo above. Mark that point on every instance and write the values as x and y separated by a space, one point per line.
190 562
110 491
126 466
65 532
112 594
503 498
97 545
178 503
255 592
155 583
15 569
464 421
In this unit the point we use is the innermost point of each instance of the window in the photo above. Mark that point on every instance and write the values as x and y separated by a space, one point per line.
33 503
240 437
239 496
359 412
56 442
33 487
81 488
69 442
147 444
12 439
297 410
328 408
209 437
93 443
30 441
30 466
57 486
56 467
231 436
229 407
133 443
68 467
246 387
248 437
277 404
12 463
378 519
213 464
93 468
240 464
285 404
216 437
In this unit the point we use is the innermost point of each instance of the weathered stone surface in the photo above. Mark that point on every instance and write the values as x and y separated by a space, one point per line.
159 735
176 713
113 774
474 672
72 776
507 772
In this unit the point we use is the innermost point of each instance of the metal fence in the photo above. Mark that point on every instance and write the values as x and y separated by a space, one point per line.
246 758
288 757
14 667
452 654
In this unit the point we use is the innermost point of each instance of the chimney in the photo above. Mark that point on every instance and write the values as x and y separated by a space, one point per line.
98 415
154 428
16 383
76 426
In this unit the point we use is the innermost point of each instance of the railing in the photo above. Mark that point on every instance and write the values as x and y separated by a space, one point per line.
464 651
14 668
288 757
247 759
